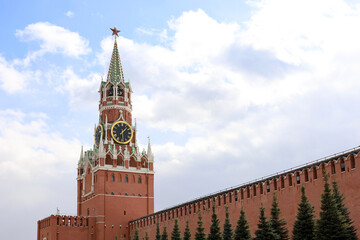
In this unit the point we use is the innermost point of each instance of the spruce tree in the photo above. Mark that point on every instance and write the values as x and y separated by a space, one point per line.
304 224
187 233
200 234
278 224
215 233
136 235
331 224
175 235
158 234
339 199
164 235
242 231
264 231
228 231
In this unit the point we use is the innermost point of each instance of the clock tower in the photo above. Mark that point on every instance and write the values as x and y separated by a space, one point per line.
115 182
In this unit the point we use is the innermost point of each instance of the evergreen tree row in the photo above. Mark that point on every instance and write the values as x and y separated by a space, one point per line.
334 222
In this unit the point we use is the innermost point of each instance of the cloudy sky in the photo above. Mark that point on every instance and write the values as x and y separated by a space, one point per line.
228 91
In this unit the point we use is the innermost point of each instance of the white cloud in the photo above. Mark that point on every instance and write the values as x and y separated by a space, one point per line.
245 95
54 39
69 14
32 153
83 92
14 80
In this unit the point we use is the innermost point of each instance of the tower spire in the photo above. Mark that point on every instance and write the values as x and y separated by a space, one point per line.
115 73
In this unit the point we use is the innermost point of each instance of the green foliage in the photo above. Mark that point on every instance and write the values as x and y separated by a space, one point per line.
136 235
304 224
339 199
215 233
264 231
278 224
146 236
158 235
242 231
228 231
187 233
164 235
175 235
200 234
331 224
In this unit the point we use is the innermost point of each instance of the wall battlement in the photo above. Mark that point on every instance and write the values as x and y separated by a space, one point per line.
62 227
286 185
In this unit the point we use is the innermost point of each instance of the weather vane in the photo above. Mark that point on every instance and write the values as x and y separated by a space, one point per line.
115 31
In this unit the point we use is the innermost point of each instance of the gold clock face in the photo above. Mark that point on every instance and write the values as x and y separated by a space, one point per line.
121 132
98 134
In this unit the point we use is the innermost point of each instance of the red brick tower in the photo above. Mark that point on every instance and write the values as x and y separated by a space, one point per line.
115 180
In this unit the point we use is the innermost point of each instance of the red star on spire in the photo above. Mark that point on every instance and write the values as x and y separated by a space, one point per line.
114 31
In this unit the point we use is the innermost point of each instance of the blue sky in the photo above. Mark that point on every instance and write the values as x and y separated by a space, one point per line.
220 87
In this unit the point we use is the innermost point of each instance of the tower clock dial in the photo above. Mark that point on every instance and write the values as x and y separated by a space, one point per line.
121 132
98 134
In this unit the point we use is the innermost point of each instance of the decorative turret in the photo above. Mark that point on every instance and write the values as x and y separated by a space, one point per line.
149 152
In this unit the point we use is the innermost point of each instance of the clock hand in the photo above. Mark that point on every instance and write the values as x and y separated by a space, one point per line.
123 131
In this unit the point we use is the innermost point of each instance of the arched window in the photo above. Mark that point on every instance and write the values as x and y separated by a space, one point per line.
236 195
254 190
306 175
282 182
120 91
112 178
352 161
126 179
267 187
139 179
111 91
275 184
314 172
242 193
261 188
342 165
297 178
290 179
333 167
248 192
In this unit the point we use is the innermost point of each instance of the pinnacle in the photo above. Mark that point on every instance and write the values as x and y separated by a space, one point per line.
115 74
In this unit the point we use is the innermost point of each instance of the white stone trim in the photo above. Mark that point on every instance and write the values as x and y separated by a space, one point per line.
109 195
